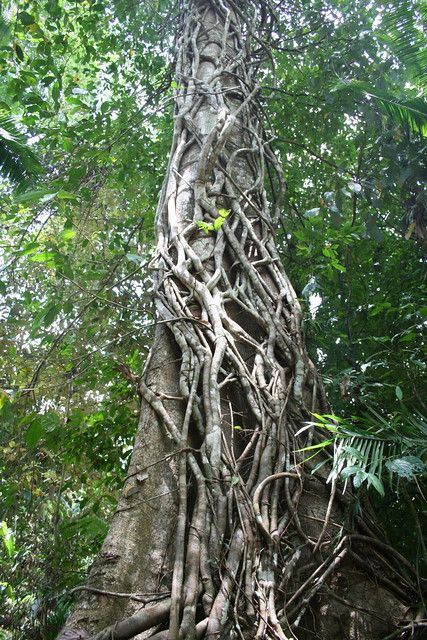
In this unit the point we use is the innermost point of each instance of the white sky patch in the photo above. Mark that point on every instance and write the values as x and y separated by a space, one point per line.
321 356
351 121
315 300
377 21
34 139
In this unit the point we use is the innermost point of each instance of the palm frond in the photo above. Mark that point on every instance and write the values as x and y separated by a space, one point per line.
404 31
367 448
362 458
17 160
410 114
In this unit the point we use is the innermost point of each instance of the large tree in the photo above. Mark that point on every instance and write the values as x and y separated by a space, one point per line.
222 531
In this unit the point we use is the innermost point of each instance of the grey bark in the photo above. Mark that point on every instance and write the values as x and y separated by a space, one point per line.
221 531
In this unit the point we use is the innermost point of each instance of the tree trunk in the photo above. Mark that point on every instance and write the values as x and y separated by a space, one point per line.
222 532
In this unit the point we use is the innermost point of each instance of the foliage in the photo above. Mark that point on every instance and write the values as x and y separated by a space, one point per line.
216 224
409 114
17 161
404 28
89 84
369 446
75 290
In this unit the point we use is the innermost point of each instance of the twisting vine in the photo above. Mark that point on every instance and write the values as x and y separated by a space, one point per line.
237 322
252 551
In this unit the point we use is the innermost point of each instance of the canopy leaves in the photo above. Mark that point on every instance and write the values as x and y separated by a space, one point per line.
17 161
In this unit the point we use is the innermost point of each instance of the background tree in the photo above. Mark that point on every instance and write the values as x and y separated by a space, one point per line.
321 238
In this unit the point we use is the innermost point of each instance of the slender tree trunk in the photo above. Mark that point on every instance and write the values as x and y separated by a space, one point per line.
222 532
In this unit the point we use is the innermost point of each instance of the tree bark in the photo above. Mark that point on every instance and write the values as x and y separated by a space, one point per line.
222 531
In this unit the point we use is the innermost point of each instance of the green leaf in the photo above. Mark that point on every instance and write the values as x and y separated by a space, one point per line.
320 445
67 233
355 453
25 18
408 337
222 216
91 524
41 426
399 393
359 478
19 52
216 224
4 399
28 248
327 416
7 539
349 471
66 195
376 483
39 195
219 221
204 226
10 592
56 92
406 466
51 421
382 306
338 266
34 432
44 256
319 465
51 314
